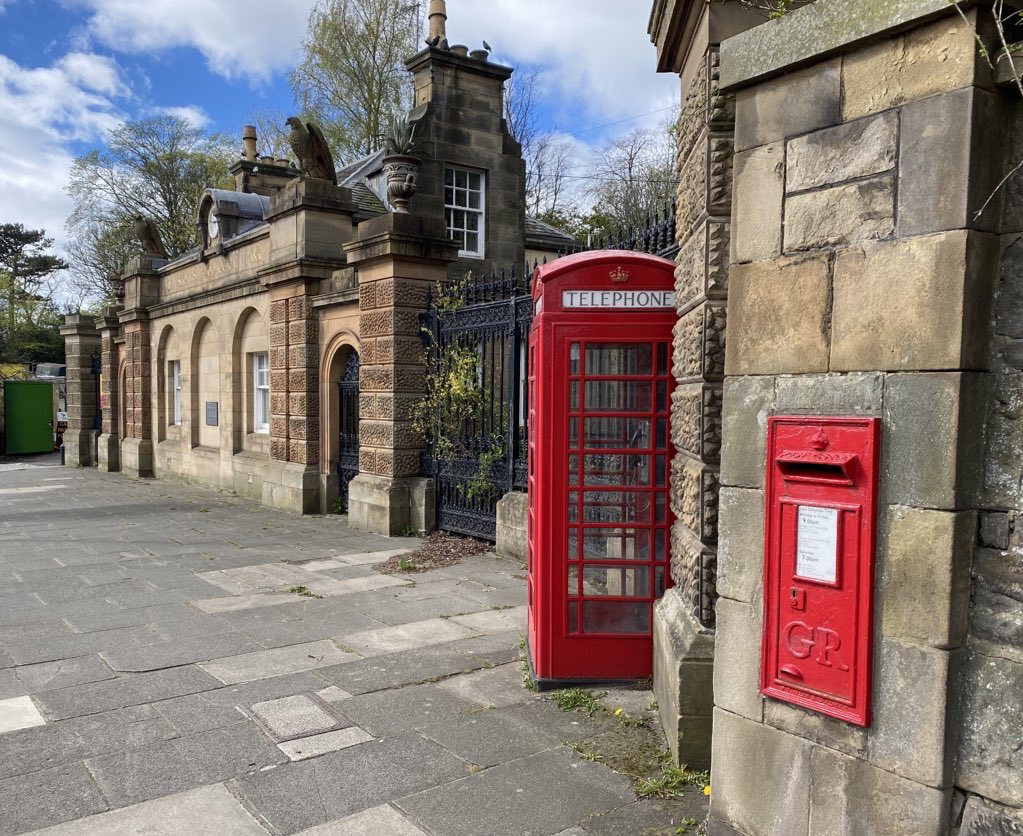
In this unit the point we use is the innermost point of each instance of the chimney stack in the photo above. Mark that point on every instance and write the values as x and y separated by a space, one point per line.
438 19
249 142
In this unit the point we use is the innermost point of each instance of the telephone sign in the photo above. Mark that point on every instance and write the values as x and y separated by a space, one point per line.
819 564
599 464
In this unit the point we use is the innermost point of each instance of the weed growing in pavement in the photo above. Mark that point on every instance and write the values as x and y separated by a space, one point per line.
569 699
304 591
671 783
407 565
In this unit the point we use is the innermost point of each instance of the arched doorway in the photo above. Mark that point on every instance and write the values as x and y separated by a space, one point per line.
348 425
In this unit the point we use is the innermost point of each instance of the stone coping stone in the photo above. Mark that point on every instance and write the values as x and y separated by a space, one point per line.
814 32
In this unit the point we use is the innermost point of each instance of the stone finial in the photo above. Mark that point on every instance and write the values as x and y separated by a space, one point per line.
438 22
249 142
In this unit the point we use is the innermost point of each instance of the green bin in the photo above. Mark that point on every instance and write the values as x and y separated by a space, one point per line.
28 416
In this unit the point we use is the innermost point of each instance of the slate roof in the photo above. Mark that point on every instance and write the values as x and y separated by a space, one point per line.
542 236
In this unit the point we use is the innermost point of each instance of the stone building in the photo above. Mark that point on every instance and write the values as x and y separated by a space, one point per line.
848 250
223 366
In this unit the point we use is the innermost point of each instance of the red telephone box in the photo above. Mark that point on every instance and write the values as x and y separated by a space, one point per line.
600 455
819 564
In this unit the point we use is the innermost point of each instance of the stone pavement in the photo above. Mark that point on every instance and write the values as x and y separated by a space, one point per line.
179 661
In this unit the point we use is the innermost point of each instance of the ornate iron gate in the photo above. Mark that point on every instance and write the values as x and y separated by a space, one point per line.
493 319
348 426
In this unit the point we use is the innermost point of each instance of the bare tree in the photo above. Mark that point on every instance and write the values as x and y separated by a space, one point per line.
155 167
634 177
520 104
271 133
548 171
352 78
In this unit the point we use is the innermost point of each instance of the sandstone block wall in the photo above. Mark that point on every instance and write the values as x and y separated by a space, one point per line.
864 280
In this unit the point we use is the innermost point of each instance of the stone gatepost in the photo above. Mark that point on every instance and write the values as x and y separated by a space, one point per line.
109 442
141 289
863 273
684 619
399 258
309 221
82 346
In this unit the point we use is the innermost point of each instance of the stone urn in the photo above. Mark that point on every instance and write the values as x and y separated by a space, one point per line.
402 173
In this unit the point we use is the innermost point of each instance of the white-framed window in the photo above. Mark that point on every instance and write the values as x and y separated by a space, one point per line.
261 392
174 377
464 208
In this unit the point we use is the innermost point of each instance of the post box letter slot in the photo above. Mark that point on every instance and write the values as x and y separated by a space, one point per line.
810 467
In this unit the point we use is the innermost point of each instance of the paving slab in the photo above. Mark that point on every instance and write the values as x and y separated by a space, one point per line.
177 652
160 769
283 660
393 670
650 816
91 619
333 694
320 744
48 797
206 811
307 793
383 640
19 713
490 687
296 716
30 679
495 621
389 712
489 738
125 690
376 821
514 798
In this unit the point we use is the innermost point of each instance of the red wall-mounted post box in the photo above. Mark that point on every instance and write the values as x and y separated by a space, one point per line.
819 564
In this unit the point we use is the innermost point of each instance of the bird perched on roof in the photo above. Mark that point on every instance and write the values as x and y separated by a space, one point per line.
486 46
433 41
149 238
310 146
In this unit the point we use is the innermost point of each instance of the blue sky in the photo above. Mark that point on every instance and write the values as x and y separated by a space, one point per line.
70 70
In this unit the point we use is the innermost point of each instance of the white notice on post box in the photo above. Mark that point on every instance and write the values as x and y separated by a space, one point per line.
817 544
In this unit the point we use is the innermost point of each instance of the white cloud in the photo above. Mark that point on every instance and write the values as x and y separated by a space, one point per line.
42 111
251 40
596 56
191 113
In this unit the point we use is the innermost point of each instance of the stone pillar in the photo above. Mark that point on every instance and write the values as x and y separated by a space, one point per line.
294 399
398 258
109 442
309 221
861 283
141 289
684 619
82 346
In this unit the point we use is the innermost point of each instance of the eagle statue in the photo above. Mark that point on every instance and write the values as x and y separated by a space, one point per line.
149 237
310 146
